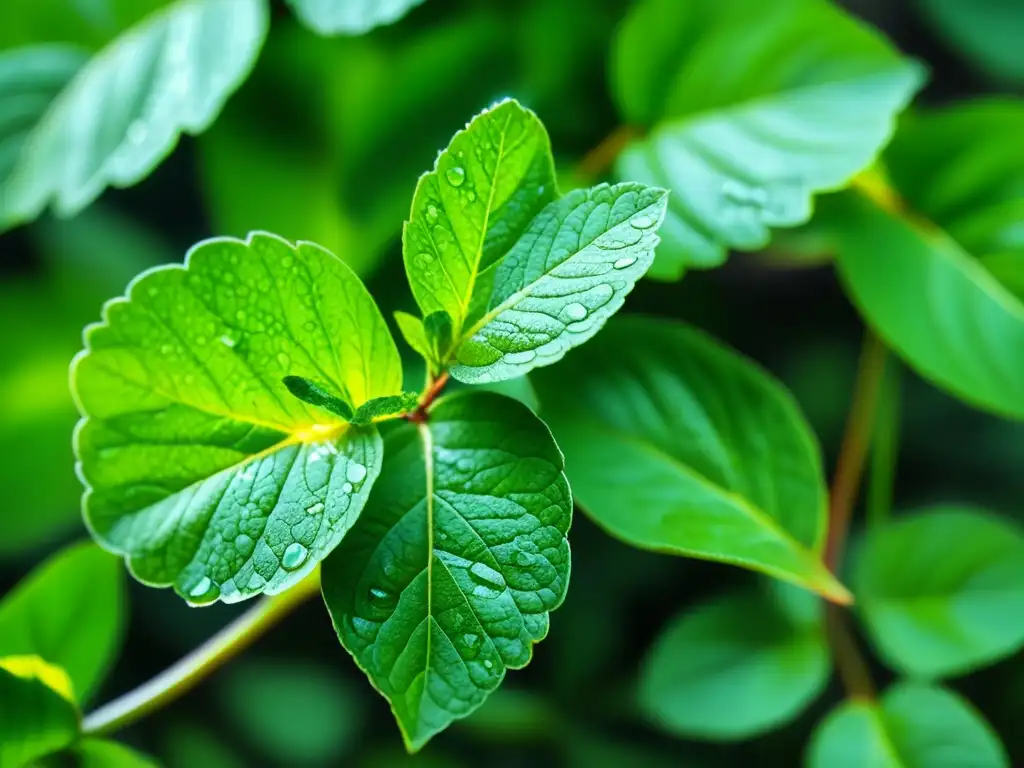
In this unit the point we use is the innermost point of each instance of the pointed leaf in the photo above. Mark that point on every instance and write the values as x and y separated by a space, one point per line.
415 335
486 187
350 17
913 726
745 642
37 711
677 444
934 622
384 407
933 303
567 274
747 127
69 611
448 578
117 116
202 469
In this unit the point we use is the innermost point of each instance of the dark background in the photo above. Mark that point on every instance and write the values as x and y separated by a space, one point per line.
342 128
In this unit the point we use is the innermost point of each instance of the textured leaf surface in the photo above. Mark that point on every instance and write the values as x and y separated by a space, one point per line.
350 17
484 190
677 444
737 666
568 273
66 137
930 621
447 579
202 469
70 612
934 304
746 126
37 714
913 726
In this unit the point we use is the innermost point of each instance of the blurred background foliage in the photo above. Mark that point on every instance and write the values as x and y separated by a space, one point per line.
324 142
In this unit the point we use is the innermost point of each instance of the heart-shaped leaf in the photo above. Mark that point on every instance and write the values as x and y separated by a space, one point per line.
746 127
930 621
677 444
202 469
913 726
69 611
568 273
769 647
37 711
448 578
350 17
70 129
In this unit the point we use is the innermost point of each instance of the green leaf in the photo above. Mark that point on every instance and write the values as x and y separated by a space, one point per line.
750 120
99 753
930 621
736 667
677 444
933 304
448 578
913 726
385 407
568 273
430 337
201 467
350 17
987 32
71 129
318 395
37 711
70 612
485 189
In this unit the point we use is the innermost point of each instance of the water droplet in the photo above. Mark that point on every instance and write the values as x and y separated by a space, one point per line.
228 342
315 509
204 592
355 473
626 261
314 457
490 582
471 196
643 221
432 213
425 259
381 598
471 640
488 663
137 132
294 556
455 175
575 311
540 189
346 488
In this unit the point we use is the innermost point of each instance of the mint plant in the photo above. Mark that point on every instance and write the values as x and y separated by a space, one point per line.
263 423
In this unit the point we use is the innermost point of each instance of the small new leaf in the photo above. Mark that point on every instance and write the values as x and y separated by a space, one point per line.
316 394
448 578
203 470
569 272
383 407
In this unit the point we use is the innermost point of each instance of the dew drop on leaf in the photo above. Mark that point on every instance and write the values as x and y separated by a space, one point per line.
643 221
294 556
488 663
346 488
575 311
228 342
355 472
315 509
432 213
456 175
204 592
490 582
381 598
626 261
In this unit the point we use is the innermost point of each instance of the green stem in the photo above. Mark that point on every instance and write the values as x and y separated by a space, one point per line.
178 679
853 669
885 448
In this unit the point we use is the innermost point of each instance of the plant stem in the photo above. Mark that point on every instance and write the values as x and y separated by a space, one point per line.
183 676
854 449
598 160
852 668
885 448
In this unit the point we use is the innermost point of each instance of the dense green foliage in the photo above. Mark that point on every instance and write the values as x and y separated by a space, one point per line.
253 428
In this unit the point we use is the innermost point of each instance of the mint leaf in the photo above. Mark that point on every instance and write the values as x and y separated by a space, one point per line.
714 672
350 17
913 726
317 394
68 611
109 121
486 187
383 407
677 444
447 579
37 711
935 622
568 273
933 303
99 753
201 468
746 129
